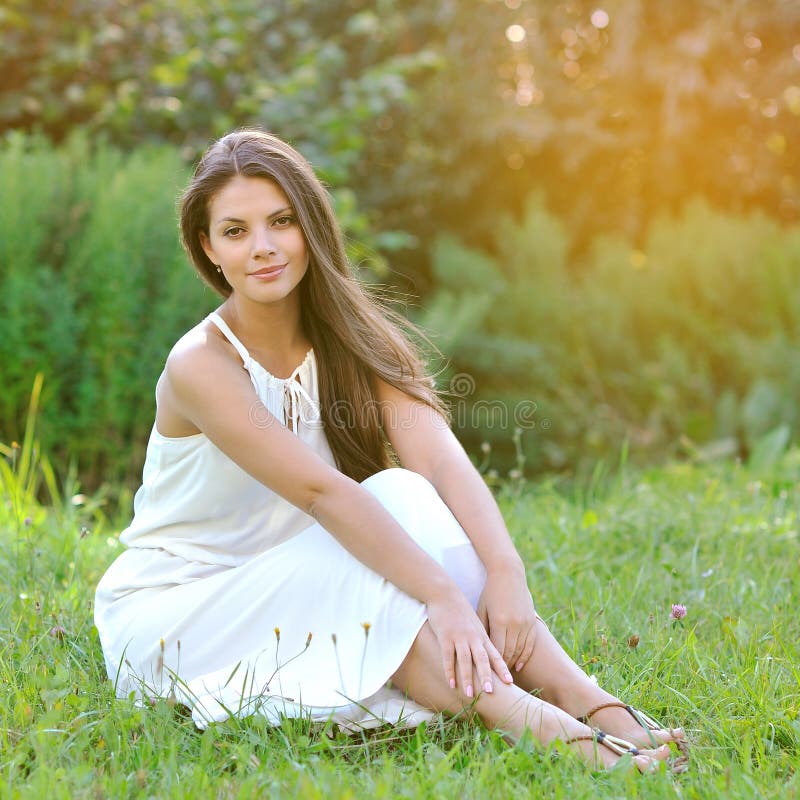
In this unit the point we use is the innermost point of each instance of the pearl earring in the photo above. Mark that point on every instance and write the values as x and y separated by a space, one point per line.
219 268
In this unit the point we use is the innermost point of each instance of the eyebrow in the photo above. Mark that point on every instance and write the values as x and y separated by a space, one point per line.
236 219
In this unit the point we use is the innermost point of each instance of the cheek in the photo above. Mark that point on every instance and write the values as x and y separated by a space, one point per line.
300 242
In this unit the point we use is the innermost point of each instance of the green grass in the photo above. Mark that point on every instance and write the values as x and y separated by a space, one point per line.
605 561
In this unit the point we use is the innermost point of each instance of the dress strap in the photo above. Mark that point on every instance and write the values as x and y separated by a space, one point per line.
229 335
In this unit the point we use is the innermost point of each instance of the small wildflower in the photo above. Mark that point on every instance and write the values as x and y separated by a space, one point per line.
78 499
160 664
308 640
633 641
486 448
84 531
27 522
57 632
366 626
678 611
333 638
278 633
15 445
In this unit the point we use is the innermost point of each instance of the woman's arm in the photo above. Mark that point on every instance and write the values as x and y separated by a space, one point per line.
211 391
424 443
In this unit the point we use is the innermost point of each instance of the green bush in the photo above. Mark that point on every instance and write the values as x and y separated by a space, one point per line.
95 289
689 342
686 345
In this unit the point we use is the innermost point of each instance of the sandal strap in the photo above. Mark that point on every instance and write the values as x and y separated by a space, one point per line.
611 704
629 747
646 722
617 746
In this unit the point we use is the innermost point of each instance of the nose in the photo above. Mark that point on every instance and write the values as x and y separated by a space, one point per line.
263 244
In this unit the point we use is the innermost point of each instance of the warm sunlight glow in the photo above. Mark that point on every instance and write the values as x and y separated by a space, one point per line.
752 42
515 33
599 18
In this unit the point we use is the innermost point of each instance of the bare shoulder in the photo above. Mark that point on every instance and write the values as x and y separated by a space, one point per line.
199 359
205 389
199 350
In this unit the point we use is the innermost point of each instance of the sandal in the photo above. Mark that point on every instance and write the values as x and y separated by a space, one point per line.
616 745
646 722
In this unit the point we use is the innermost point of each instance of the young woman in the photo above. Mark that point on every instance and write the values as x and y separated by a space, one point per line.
276 562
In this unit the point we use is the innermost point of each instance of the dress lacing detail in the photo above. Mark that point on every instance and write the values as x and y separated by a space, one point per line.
294 402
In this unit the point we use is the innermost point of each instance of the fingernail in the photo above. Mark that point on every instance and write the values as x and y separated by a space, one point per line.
509 676
452 683
469 690
488 687
519 666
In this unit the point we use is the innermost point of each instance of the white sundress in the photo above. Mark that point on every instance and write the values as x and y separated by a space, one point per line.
216 562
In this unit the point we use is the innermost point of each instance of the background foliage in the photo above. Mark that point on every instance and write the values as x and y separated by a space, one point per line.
438 112
595 204
689 341
686 346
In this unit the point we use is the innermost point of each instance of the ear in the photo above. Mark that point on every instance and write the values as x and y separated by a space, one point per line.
205 243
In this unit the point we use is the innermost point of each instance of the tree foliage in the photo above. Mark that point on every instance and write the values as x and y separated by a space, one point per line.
435 114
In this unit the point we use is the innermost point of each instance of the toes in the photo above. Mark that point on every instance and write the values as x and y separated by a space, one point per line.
660 753
644 764
648 760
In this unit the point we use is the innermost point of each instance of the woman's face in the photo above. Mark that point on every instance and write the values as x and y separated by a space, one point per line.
256 239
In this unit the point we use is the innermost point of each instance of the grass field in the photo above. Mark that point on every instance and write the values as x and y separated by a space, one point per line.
605 563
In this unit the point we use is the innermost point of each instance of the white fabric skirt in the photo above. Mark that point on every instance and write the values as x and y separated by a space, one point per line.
206 634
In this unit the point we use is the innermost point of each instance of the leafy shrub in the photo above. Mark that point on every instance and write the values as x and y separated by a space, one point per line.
95 289
688 341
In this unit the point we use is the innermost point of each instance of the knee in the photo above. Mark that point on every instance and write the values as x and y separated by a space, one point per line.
397 478
394 475
408 496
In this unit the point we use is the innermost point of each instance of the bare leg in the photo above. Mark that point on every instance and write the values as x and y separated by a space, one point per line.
508 707
559 680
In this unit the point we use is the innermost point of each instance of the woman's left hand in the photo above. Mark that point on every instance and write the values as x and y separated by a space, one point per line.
506 609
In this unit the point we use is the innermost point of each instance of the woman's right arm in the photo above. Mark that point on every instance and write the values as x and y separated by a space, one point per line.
205 386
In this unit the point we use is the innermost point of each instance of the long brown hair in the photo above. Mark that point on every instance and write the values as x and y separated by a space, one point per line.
355 335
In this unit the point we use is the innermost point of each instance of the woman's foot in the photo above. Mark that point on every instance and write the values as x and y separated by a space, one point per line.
549 723
610 715
600 753
558 679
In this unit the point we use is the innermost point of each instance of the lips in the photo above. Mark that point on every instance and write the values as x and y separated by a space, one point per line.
269 270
